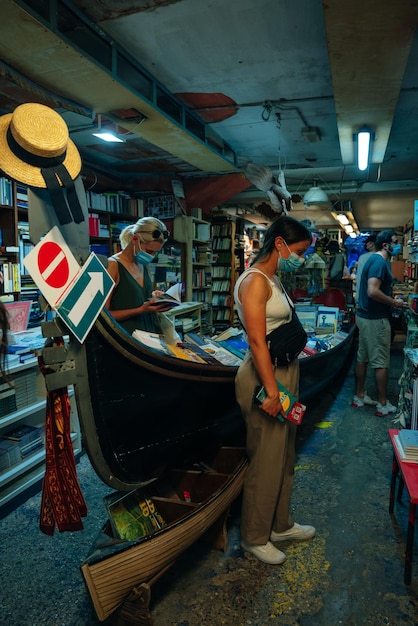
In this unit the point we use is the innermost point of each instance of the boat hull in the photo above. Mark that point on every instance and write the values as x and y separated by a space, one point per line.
114 569
141 411
319 370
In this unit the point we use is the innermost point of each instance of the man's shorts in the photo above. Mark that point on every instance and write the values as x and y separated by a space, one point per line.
374 342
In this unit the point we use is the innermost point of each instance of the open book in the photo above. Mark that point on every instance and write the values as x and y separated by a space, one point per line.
172 296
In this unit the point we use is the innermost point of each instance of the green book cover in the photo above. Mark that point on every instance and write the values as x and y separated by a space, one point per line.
132 515
293 409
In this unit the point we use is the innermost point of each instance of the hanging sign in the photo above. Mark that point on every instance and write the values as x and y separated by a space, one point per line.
83 301
78 294
52 266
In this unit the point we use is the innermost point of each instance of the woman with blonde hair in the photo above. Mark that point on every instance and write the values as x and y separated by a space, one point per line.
132 302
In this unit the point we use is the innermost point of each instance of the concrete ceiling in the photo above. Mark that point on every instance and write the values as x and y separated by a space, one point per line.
222 84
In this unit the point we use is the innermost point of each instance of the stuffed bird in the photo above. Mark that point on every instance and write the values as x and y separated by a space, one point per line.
262 178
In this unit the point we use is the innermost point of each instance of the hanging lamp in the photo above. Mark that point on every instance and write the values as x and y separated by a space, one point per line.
315 196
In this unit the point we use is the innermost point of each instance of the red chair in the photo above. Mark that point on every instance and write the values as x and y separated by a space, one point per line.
332 297
298 293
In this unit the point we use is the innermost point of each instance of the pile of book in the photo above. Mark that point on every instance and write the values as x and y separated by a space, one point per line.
407 443
9 454
20 443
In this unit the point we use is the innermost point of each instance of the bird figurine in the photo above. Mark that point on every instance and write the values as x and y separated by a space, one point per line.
262 177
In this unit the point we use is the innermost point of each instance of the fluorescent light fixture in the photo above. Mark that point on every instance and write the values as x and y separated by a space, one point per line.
109 137
106 135
348 228
315 196
343 219
353 235
363 149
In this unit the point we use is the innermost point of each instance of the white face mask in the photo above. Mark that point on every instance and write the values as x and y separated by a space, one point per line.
292 263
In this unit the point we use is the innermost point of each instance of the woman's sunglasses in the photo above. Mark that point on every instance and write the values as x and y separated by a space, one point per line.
156 234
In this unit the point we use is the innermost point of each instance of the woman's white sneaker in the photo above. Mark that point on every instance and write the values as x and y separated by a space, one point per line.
298 532
266 553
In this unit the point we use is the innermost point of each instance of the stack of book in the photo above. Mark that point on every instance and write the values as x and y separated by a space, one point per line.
9 454
28 438
407 444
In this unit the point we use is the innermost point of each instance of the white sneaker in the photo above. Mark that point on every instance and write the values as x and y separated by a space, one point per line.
385 409
298 532
358 402
267 553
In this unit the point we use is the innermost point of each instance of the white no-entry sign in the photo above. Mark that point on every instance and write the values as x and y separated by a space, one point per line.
78 294
52 266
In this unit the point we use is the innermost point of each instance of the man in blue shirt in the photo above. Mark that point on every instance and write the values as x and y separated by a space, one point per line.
374 308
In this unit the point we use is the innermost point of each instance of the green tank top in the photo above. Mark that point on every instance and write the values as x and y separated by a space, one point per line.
129 294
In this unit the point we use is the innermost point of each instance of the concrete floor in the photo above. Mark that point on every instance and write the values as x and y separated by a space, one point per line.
351 573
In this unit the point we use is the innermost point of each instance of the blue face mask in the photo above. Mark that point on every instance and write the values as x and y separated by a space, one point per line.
143 257
395 249
292 263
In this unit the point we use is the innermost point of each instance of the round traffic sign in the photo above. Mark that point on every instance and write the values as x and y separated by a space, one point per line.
53 265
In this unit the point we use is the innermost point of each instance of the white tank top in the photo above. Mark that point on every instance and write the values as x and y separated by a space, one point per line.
278 307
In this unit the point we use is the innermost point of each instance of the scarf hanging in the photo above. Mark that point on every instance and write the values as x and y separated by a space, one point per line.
62 502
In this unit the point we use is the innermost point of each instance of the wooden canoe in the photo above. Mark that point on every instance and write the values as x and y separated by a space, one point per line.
113 569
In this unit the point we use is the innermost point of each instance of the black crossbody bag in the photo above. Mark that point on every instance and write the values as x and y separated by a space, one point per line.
287 341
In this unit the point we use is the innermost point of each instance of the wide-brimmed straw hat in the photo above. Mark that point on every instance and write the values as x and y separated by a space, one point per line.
32 138
35 149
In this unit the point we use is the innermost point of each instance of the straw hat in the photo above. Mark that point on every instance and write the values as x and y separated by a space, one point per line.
34 138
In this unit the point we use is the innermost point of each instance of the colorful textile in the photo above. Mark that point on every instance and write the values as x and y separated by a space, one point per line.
62 502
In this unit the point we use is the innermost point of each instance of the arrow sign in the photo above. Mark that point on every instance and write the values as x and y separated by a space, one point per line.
85 298
95 286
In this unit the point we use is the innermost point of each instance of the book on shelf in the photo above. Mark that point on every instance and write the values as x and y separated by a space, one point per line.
6 192
24 435
31 447
9 454
132 515
293 409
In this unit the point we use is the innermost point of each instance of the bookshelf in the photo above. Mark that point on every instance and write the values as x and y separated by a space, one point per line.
195 234
13 205
228 250
26 406
109 213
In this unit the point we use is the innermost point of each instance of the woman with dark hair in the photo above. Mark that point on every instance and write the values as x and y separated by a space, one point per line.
263 305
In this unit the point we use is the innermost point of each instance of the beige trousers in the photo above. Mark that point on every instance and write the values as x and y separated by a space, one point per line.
271 452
